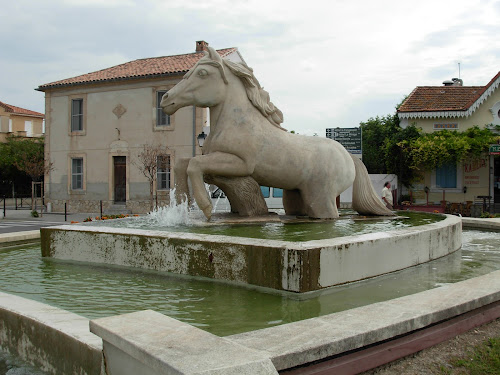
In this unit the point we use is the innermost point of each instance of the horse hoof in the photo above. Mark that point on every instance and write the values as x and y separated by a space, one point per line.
207 211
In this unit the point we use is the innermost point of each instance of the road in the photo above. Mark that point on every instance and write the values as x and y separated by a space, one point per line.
11 226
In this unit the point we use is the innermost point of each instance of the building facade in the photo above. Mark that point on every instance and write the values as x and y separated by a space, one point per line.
454 106
20 122
98 123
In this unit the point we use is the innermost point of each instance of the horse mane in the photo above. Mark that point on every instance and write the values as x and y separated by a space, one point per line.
256 94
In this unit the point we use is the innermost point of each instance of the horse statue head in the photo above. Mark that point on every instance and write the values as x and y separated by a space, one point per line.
206 85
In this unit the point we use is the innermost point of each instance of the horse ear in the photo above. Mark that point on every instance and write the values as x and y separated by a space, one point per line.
214 55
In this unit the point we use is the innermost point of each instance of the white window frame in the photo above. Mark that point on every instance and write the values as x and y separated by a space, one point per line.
28 128
74 174
460 178
163 176
159 112
82 116
77 117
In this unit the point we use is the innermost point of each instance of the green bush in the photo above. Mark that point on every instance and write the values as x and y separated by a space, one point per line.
34 213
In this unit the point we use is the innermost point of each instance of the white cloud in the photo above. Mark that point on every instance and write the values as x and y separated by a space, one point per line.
324 63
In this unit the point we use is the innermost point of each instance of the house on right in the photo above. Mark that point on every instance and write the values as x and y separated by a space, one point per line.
454 106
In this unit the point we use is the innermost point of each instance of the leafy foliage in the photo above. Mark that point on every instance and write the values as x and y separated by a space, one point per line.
382 151
388 148
26 155
432 150
397 158
375 133
22 159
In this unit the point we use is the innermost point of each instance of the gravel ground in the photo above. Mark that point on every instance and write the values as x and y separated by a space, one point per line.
436 360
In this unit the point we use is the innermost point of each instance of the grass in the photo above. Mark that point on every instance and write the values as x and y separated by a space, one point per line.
484 359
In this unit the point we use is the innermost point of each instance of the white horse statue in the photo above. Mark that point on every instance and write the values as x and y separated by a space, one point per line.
247 141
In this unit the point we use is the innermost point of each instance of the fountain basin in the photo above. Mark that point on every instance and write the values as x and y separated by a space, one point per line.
299 266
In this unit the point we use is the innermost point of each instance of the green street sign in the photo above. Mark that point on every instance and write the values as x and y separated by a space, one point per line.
494 149
350 138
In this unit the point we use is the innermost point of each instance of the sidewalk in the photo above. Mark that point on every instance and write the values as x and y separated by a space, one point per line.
12 215
25 214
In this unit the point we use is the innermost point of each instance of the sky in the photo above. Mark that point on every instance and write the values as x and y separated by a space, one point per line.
325 64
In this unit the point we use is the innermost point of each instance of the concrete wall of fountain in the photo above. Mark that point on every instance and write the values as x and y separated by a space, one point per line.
51 339
149 343
282 265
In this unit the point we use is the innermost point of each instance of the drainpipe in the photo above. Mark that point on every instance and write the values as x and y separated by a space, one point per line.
194 131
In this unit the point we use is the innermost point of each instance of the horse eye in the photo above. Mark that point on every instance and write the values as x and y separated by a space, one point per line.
203 73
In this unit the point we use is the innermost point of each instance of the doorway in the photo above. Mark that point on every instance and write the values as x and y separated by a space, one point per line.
120 178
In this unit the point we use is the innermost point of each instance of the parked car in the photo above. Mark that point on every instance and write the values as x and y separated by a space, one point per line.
273 197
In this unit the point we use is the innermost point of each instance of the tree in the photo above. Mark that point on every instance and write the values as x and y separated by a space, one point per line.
397 158
148 161
27 155
375 133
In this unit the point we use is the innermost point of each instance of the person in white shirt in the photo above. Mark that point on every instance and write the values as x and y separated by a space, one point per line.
387 195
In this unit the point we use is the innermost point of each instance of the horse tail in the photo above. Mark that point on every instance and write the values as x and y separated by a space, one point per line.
364 198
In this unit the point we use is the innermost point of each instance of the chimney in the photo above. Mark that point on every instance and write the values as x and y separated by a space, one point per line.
201 46
453 82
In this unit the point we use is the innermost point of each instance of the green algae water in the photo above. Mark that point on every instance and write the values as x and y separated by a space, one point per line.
96 291
348 225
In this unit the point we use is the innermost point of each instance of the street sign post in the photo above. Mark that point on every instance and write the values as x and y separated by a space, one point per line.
350 138
494 149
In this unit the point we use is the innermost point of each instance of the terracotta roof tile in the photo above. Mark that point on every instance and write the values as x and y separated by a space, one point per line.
444 98
20 111
440 98
142 68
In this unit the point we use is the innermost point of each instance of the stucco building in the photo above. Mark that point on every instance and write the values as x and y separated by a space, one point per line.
98 123
19 121
454 106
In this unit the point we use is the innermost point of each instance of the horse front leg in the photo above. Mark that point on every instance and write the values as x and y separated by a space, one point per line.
217 164
181 181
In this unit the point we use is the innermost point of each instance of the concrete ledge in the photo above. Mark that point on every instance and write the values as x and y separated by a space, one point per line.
310 340
282 265
54 340
372 356
19 236
485 224
149 343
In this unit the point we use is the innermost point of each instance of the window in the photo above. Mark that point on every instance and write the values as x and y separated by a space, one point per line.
161 118
265 191
28 128
277 193
77 115
76 173
446 176
163 172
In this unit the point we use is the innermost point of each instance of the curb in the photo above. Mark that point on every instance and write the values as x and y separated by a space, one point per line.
19 236
488 224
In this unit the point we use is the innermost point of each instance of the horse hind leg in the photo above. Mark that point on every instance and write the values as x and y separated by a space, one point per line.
293 203
320 203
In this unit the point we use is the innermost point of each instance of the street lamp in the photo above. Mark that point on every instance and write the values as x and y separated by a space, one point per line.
201 138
